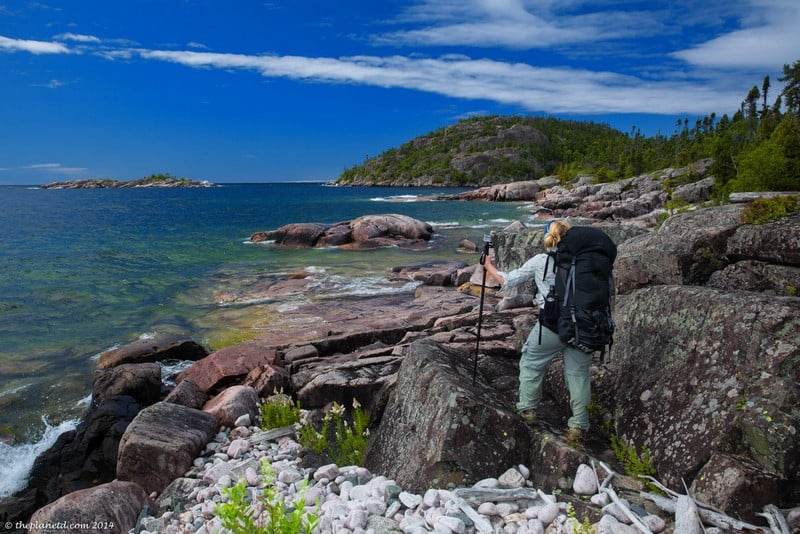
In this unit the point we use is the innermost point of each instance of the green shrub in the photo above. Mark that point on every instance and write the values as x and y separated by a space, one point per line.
578 527
343 441
635 462
239 515
765 210
279 411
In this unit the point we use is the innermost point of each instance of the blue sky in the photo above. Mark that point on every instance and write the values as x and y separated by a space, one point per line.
254 91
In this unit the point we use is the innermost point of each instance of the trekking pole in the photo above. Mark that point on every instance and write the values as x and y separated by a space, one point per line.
487 243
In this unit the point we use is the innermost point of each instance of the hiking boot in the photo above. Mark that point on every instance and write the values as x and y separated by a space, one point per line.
529 416
575 438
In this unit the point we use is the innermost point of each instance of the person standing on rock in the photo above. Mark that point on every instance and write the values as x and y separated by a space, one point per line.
542 344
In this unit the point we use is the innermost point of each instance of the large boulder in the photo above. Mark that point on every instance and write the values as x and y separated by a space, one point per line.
161 444
233 403
697 371
109 507
368 231
168 347
686 249
229 365
440 427
293 235
140 381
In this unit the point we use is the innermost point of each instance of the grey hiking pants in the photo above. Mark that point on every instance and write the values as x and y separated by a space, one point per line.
533 365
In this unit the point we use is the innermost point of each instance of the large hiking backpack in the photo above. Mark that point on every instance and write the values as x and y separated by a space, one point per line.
585 259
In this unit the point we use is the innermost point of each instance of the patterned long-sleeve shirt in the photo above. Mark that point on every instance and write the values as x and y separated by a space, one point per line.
533 269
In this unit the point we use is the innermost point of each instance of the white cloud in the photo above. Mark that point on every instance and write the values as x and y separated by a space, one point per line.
52 84
55 168
515 24
552 90
77 37
34 47
769 36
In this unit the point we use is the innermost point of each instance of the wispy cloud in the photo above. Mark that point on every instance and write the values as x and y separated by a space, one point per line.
77 37
513 24
34 47
765 30
52 84
555 90
55 168
769 33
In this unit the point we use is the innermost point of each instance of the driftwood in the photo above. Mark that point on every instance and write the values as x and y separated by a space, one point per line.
606 488
476 496
481 523
712 516
776 521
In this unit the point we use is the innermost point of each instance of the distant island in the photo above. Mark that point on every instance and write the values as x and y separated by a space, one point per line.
155 180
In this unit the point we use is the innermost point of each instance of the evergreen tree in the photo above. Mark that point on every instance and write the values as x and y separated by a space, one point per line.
791 91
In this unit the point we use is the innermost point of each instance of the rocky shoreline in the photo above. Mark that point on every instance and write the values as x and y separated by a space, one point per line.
703 374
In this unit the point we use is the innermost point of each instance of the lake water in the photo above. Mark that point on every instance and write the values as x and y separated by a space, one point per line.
85 270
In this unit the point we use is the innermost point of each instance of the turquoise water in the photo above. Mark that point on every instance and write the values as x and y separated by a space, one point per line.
85 270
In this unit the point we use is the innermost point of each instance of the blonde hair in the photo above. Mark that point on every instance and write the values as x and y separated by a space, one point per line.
555 231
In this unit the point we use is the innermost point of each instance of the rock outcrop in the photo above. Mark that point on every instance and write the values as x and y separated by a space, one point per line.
369 231
171 347
431 432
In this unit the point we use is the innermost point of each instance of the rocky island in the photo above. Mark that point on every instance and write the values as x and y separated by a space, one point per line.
155 180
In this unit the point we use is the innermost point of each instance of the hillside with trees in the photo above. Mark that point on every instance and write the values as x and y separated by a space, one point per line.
755 149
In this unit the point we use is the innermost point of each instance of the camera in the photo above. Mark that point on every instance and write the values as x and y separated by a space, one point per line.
487 244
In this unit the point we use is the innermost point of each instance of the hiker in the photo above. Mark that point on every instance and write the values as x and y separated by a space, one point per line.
543 344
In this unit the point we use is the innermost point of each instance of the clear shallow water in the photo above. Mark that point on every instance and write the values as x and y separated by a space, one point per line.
84 270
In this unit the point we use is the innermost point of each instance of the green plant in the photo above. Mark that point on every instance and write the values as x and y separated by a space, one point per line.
635 462
279 411
765 210
344 441
241 515
579 527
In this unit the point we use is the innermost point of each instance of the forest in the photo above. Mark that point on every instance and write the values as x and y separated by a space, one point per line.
757 148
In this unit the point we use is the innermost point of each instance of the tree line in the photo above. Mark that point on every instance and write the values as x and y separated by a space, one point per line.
757 148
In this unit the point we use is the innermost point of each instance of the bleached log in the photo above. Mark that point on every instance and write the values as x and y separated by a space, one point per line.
481 523
775 518
710 517
481 495
687 516
608 490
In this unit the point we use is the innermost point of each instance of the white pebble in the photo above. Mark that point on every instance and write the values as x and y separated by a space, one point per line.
453 524
487 508
410 500
431 498
548 513
242 420
585 481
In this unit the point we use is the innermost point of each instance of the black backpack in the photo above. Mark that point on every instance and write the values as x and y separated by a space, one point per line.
548 315
585 259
